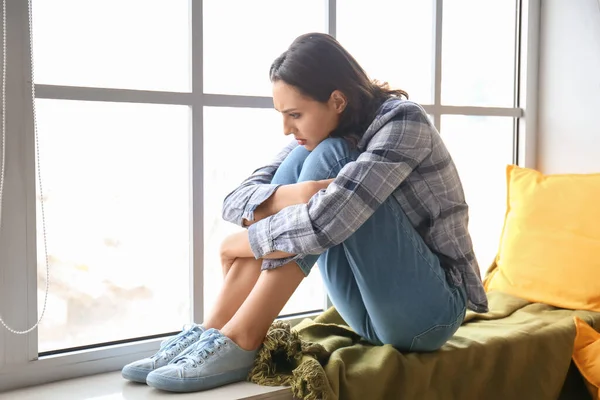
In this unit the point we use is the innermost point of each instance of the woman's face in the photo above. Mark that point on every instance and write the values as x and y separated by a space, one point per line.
310 121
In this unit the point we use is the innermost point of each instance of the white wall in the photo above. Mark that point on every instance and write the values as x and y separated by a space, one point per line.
569 87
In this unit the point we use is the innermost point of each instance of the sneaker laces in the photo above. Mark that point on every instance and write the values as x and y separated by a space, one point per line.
202 349
182 340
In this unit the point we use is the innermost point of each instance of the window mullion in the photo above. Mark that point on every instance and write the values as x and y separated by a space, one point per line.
481 111
30 189
437 61
231 100
331 15
196 161
58 92
528 82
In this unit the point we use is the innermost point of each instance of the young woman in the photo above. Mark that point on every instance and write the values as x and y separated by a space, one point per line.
368 189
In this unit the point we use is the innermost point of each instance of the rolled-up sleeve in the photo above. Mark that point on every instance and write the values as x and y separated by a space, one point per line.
240 204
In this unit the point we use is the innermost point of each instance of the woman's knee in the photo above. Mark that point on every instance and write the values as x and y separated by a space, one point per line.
227 259
290 169
327 159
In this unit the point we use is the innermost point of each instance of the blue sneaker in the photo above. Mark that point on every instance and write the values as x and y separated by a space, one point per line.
137 371
215 360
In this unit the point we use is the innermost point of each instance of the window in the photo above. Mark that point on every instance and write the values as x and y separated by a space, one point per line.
116 175
145 121
481 148
392 40
478 69
118 224
117 215
98 48
228 160
239 49
468 89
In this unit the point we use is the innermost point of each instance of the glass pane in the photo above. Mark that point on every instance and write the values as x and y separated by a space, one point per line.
242 38
127 44
373 33
432 120
481 148
227 162
116 199
478 52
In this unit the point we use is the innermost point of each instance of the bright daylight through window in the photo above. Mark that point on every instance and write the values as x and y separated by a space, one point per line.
122 96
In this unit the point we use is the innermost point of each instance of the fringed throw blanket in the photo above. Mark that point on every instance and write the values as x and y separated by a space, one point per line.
518 350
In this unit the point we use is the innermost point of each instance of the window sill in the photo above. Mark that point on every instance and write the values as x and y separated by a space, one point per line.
111 386
87 369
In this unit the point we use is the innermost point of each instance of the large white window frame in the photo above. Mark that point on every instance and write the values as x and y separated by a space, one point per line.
19 362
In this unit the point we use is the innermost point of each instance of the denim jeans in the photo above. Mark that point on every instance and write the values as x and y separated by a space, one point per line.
383 280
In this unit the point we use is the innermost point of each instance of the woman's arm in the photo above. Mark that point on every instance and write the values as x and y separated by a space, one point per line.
241 203
331 216
287 195
238 244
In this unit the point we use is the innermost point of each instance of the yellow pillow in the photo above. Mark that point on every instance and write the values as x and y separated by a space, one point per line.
550 244
586 355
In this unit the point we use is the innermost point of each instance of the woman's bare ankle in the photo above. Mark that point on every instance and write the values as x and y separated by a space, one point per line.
212 323
244 340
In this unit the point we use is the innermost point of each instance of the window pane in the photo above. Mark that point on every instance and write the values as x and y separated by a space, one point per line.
231 155
131 44
432 120
392 40
116 198
481 148
242 38
478 52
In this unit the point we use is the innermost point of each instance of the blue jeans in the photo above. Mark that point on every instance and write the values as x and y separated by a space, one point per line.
383 280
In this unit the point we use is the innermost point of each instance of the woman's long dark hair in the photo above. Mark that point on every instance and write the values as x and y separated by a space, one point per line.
317 64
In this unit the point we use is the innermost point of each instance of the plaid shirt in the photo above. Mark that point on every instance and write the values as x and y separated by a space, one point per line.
402 155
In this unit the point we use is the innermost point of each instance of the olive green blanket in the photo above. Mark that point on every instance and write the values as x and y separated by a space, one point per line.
518 350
